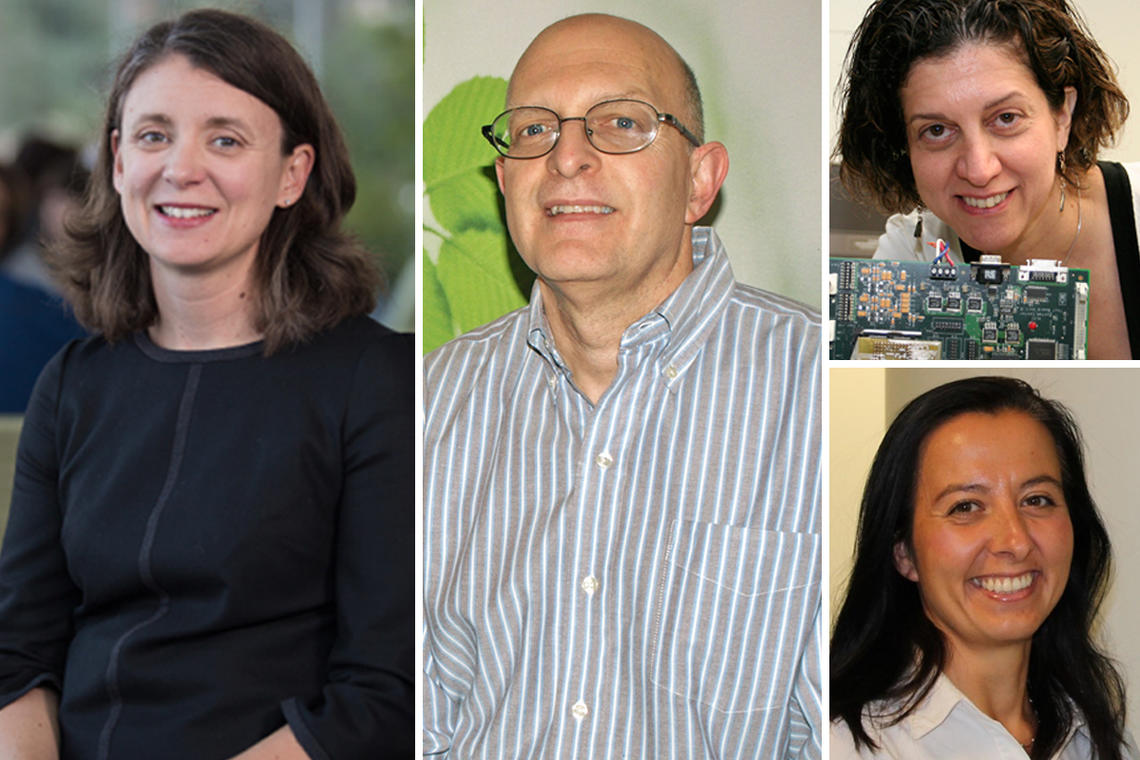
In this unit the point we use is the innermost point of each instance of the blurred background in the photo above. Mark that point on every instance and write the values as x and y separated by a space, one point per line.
57 58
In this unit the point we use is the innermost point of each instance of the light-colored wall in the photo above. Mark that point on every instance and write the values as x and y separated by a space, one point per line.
1101 402
758 67
9 436
1113 23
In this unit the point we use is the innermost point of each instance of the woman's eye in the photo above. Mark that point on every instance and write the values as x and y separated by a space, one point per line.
532 130
625 122
964 507
1040 500
935 131
1007 119
151 137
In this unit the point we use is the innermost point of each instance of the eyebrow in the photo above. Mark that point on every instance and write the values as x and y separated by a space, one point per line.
979 488
628 95
986 107
214 122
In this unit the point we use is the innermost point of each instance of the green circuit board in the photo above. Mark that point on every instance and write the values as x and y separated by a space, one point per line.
882 309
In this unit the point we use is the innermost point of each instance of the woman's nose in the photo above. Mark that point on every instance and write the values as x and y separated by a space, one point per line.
183 164
1011 533
978 162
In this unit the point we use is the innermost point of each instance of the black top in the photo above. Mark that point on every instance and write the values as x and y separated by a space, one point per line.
1123 223
204 545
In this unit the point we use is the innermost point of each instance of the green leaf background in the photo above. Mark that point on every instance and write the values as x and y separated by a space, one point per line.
477 275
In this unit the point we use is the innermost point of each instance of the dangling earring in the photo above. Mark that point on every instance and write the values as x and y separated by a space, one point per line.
1061 172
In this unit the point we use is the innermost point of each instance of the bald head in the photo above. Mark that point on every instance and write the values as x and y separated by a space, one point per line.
656 72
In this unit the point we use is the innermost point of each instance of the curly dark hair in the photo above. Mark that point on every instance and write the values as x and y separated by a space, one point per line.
884 647
1049 35
309 275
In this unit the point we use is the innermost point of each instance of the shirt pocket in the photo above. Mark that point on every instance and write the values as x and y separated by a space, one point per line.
732 610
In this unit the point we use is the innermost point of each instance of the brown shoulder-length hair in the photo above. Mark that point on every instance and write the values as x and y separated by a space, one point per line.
309 275
1051 38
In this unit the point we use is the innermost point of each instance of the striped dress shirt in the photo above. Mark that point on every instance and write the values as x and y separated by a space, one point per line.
638 578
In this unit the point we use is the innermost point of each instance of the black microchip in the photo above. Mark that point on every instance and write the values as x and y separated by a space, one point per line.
1012 335
845 307
989 335
972 349
953 303
846 275
934 303
989 275
1040 349
946 325
1036 293
974 304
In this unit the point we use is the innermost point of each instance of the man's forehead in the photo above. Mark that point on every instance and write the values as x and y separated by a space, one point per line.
595 56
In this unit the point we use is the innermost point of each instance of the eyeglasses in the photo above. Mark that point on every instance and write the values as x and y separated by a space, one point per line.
612 126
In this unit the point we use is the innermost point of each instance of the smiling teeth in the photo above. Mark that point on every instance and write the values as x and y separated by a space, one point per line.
1004 585
990 202
556 210
178 212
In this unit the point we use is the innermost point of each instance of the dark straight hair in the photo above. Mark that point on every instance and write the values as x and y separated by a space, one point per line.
309 275
886 653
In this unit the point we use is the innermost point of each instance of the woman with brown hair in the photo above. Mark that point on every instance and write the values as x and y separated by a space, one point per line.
208 549
988 117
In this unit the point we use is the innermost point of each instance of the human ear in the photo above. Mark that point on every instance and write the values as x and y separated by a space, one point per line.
903 562
116 163
1064 117
708 166
298 165
499 173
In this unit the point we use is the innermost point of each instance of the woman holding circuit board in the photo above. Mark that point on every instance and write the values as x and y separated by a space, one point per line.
981 562
988 116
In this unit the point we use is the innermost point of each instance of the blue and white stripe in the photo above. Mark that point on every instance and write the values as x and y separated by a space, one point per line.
639 578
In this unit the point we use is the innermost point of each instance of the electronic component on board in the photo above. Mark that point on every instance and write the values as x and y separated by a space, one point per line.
881 309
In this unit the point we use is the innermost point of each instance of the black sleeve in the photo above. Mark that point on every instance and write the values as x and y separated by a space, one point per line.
1119 192
37 596
365 709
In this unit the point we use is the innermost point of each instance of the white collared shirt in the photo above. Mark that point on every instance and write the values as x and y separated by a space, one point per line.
946 725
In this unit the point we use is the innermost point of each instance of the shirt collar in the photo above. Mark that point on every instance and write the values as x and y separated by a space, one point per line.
682 320
943 698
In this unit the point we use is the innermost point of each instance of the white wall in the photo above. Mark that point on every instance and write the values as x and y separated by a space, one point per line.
1113 23
1101 400
757 62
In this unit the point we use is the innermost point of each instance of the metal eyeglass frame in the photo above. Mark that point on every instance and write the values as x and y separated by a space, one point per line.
663 118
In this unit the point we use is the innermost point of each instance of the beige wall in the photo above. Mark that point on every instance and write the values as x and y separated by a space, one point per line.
757 62
1102 400
1113 23
9 435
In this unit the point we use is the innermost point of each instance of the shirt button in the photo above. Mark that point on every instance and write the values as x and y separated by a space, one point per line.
603 460
589 585
553 381
671 372
579 710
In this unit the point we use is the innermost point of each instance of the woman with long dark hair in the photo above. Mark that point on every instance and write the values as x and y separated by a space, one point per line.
980 566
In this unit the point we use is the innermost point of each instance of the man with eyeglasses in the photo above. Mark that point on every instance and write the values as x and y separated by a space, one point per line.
622 497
